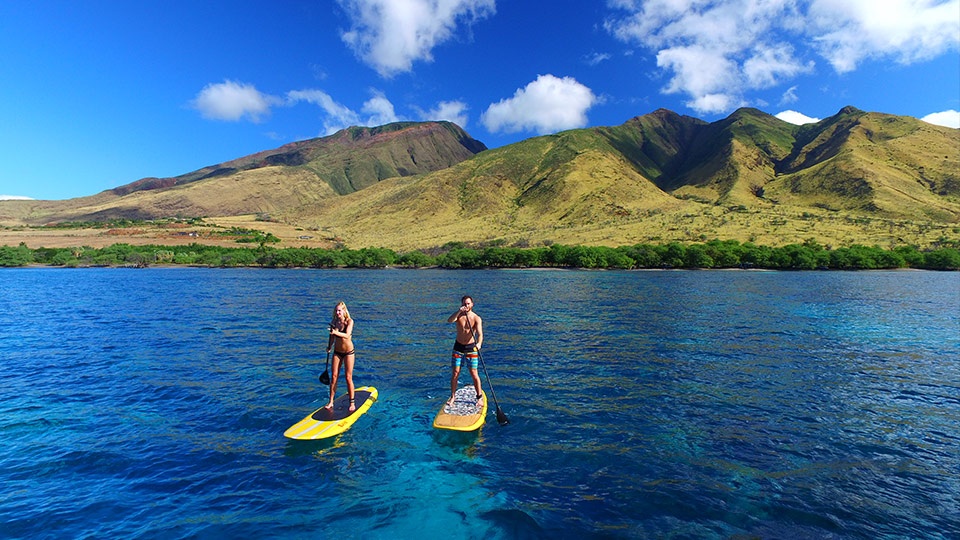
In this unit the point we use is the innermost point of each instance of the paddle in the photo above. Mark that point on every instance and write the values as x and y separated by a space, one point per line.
325 376
501 416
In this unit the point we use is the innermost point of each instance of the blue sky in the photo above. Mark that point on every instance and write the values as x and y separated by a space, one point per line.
99 93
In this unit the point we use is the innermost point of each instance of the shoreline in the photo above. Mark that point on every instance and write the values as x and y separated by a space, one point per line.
167 266
710 255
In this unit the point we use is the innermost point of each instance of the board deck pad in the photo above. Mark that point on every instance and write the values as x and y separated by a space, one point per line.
323 423
464 414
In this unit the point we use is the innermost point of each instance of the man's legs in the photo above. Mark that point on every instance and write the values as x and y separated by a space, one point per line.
455 374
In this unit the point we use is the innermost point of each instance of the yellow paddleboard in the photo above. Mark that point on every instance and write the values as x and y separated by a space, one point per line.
464 414
323 423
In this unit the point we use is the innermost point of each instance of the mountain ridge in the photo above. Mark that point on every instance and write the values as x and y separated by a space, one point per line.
308 152
417 185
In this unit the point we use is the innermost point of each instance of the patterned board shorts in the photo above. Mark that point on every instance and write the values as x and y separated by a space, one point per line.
460 350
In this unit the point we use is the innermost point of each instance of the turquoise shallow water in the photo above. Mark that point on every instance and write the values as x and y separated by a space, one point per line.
151 403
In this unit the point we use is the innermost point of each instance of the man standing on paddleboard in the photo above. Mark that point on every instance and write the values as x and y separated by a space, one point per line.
468 343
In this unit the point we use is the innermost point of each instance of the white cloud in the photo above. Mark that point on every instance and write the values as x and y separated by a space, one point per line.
546 105
337 116
949 119
380 110
714 103
596 58
717 51
390 35
232 101
796 118
789 96
702 73
768 66
451 111
14 198
847 32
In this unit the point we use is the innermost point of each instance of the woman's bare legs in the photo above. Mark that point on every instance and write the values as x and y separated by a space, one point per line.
334 374
348 373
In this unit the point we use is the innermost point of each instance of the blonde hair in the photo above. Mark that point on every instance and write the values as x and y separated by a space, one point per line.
345 311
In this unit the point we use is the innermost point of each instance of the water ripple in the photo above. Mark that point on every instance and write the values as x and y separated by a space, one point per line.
642 404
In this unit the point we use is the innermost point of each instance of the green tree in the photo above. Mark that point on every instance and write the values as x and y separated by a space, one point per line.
557 255
644 256
138 259
500 257
779 258
725 254
862 257
328 258
890 259
531 257
910 255
188 257
697 257
942 259
583 257
15 256
415 259
210 258
801 257
63 257
618 258
372 258
238 257
459 258
673 254
163 256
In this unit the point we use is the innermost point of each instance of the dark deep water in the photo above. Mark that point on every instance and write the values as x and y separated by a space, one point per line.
151 403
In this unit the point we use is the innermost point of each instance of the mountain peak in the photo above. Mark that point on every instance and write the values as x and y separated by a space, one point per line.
850 109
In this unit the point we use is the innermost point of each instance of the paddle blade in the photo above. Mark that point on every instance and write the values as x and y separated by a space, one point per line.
325 378
502 417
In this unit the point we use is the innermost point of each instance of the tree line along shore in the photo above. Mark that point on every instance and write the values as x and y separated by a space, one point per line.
716 254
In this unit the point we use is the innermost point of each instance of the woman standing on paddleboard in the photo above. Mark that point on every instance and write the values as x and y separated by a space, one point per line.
468 343
341 340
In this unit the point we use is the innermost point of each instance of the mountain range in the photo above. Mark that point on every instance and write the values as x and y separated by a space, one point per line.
855 177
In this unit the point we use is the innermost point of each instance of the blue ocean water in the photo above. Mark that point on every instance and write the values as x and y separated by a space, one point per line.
683 404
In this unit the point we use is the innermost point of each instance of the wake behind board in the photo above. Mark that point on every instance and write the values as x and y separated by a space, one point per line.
464 414
323 423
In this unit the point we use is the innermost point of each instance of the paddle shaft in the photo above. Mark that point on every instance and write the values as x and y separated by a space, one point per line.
501 416
326 367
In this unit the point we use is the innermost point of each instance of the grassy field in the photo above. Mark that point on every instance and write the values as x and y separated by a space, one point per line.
776 227
215 231
695 223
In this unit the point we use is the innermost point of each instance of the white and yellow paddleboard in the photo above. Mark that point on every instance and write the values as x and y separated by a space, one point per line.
323 423
464 414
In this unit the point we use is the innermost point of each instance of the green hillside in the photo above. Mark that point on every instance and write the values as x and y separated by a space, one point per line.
856 177
665 177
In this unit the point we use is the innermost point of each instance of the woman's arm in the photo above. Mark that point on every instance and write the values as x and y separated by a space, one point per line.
345 334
